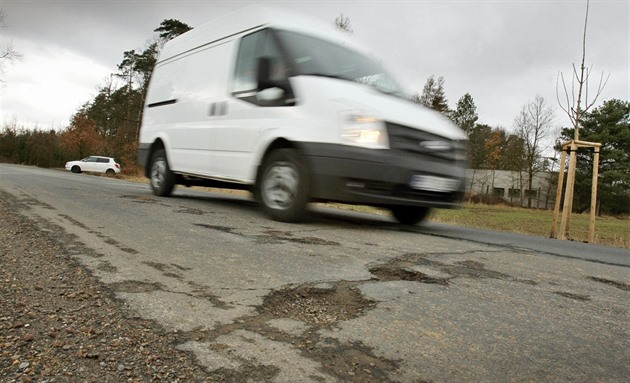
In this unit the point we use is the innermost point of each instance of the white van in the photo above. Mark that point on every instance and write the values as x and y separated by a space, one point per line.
295 112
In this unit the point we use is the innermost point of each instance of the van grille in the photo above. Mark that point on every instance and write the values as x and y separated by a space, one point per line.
417 142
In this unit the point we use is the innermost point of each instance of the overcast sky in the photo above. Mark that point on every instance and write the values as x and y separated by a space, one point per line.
503 53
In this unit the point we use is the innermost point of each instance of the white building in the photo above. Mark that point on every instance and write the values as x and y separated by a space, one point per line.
512 186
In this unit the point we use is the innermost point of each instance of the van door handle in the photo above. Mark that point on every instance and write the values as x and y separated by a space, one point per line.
218 109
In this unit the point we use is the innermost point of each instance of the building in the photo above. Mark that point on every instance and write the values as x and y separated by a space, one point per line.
512 186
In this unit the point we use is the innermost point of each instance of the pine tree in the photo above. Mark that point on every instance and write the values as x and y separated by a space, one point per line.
433 95
465 116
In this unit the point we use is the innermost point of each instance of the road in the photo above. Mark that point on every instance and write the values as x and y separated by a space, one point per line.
344 296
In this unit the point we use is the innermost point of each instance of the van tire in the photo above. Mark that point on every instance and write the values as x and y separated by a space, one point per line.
410 215
283 186
161 178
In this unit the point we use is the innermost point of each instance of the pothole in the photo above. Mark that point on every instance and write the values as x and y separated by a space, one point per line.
320 305
418 268
394 273
311 308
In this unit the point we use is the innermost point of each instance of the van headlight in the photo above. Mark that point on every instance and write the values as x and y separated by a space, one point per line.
365 131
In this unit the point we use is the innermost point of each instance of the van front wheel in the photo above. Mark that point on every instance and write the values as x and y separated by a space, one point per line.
283 186
410 215
162 179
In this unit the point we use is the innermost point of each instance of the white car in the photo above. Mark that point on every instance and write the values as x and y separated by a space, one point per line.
94 164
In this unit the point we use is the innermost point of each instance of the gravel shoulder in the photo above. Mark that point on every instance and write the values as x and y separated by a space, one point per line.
58 323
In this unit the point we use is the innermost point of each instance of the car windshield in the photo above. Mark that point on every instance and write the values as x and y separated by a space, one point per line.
315 57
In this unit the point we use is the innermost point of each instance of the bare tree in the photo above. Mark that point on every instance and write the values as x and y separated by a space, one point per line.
533 125
572 104
7 53
343 23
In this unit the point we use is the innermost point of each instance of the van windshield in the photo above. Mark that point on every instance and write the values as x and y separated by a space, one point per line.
311 56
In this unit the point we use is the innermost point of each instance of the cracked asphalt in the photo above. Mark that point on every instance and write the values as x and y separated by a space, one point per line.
343 296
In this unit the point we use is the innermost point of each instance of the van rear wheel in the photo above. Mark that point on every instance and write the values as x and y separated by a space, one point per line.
162 178
410 215
283 186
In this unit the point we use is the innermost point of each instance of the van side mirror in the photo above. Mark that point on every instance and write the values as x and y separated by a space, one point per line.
272 92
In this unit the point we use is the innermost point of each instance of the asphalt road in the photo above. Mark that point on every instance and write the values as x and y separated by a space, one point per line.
344 296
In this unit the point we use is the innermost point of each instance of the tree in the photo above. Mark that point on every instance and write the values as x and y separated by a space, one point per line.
465 114
7 53
8 142
513 156
610 125
494 149
532 126
81 139
477 149
433 96
43 148
343 23
171 28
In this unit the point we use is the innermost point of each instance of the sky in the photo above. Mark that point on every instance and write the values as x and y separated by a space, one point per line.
502 52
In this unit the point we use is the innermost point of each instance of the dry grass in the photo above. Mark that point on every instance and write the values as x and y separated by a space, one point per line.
610 231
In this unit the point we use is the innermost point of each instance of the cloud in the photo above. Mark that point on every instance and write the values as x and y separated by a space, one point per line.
49 84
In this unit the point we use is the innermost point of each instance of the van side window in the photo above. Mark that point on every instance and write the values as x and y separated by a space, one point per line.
252 47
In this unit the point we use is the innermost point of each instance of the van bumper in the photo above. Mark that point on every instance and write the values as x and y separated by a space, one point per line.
380 177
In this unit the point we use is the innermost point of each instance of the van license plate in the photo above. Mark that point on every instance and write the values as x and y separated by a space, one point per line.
434 184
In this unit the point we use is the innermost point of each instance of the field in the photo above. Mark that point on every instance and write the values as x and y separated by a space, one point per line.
610 231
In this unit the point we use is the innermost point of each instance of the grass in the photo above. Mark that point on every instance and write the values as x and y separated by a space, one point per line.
609 231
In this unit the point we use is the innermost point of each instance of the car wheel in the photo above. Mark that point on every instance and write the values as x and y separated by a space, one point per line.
75 169
410 215
283 186
162 179
110 172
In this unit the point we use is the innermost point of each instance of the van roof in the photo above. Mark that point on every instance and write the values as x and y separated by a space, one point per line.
252 18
